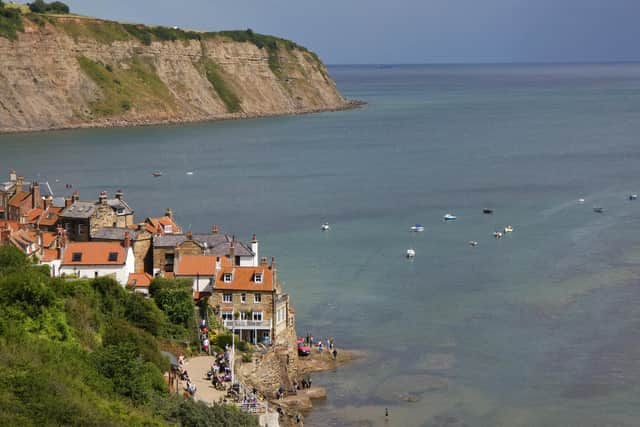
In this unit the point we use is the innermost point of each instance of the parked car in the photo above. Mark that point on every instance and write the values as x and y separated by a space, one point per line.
303 350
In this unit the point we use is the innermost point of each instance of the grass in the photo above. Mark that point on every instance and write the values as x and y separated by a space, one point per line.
136 88
10 22
105 32
226 94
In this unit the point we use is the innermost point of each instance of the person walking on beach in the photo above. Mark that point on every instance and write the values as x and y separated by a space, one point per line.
311 340
335 354
320 347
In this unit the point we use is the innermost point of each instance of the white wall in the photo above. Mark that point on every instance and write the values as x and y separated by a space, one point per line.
200 283
247 261
120 272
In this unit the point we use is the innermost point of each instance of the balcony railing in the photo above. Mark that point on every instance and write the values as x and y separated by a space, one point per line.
247 324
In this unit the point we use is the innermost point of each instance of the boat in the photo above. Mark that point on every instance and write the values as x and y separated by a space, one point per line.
497 234
417 228
581 201
598 210
633 197
487 211
508 229
156 173
473 243
189 173
411 253
450 217
325 227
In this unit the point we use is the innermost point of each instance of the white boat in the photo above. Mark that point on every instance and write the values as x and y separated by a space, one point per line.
411 253
416 228
581 201
508 229
473 243
497 234
450 217
325 227
633 197
189 173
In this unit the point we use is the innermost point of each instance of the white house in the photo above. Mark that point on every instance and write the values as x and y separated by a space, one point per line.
98 259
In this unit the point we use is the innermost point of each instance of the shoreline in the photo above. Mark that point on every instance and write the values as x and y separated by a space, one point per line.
349 104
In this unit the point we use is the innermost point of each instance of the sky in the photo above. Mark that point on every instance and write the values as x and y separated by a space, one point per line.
410 31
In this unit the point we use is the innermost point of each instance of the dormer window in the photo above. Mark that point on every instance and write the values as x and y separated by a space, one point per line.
76 257
227 277
257 277
120 211
113 256
168 229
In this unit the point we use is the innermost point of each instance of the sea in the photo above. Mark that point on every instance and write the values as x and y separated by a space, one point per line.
538 328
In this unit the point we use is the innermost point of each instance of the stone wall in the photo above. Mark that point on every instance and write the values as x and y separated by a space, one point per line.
102 217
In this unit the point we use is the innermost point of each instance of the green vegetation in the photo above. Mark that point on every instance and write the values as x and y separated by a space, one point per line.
10 22
105 32
40 6
216 77
86 352
137 87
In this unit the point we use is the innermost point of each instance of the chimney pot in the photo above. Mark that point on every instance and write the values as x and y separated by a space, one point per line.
189 235
168 213
13 176
103 197
119 194
76 196
67 202
214 229
19 182
254 238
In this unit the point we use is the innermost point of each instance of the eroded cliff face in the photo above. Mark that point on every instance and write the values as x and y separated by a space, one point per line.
66 72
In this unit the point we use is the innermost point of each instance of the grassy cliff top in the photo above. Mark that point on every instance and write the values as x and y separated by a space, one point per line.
106 31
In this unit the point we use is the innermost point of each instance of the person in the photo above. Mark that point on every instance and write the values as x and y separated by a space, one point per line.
320 346
335 354
295 386
203 323
311 340
205 345
298 419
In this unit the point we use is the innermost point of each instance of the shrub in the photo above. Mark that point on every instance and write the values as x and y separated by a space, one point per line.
40 6
175 299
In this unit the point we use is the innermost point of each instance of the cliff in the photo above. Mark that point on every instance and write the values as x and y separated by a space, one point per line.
65 71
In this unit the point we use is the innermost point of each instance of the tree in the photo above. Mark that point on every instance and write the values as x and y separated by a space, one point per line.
40 6
175 298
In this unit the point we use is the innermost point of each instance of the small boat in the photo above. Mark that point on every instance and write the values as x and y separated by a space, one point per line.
508 229
411 253
581 201
450 217
633 197
487 211
497 234
417 228
473 243
189 173
325 227
156 173
598 210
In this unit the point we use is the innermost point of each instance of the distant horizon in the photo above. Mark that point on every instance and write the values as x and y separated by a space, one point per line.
407 64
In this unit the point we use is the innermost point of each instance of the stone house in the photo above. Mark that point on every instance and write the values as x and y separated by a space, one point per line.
82 219
167 247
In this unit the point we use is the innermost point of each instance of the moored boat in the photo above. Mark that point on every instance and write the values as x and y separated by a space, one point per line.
508 229
497 234
633 197
417 228
473 243
156 173
325 227
411 253
487 211
450 217
598 210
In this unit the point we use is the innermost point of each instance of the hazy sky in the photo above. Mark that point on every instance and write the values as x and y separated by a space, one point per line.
411 31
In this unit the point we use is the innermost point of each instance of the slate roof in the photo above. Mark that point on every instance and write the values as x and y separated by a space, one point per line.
114 233
119 203
216 244
79 210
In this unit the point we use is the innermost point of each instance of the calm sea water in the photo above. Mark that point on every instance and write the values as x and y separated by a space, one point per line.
541 328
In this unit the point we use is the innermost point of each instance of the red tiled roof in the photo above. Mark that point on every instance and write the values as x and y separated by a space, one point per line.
13 225
50 216
50 254
243 279
48 238
203 265
33 215
19 198
94 253
153 223
140 280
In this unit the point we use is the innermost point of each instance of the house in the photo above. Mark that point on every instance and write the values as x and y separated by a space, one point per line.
18 197
249 301
201 270
140 282
98 259
141 240
167 247
164 224
124 213
81 219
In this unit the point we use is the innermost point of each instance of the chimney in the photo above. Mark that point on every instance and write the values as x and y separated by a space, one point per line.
274 271
36 198
13 177
263 262
254 249
189 235
142 226
218 264
215 229
75 197
19 182
232 251
68 201
119 194
103 197
62 239
168 213
48 201
127 239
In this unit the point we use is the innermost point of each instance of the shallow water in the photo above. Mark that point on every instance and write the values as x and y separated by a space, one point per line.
538 328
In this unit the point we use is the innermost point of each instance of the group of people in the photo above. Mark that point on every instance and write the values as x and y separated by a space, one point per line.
190 387
220 371
330 344
204 336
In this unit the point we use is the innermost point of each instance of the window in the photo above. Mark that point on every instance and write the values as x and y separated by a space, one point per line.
280 315
67 227
227 278
76 257
257 278
257 316
168 229
243 298
82 228
227 297
257 298
120 211
168 262
227 315
113 256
